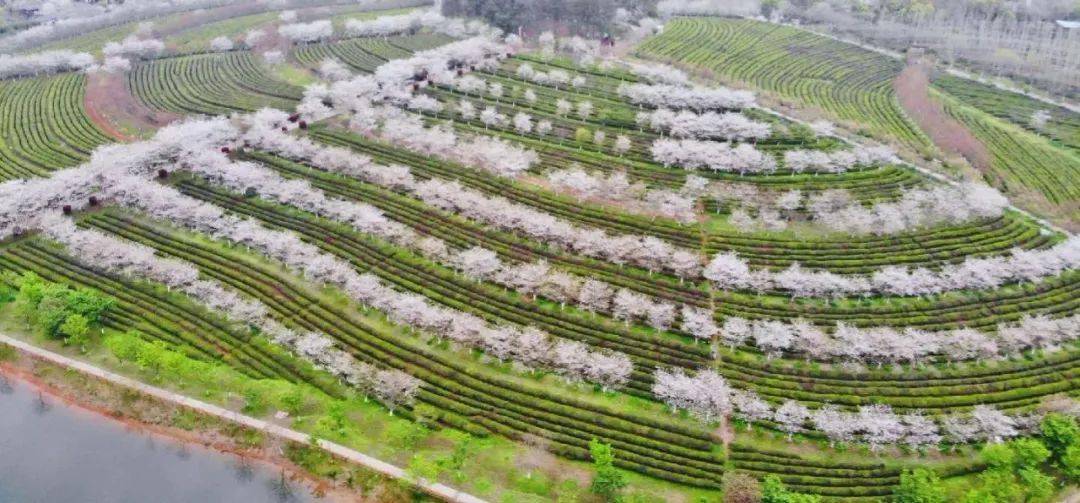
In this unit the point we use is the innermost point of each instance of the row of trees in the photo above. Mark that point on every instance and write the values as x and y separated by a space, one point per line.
880 345
838 161
356 98
635 197
529 347
678 97
732 126
582 17
1015 39
70 22
730 272
43 63
835 209
493 155
384 26
134 46
711 155
707 396
916 208
658 73
105 253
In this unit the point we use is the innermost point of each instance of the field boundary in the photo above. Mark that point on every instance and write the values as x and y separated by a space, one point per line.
435 489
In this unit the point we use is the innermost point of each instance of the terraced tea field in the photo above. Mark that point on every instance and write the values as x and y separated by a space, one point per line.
545 258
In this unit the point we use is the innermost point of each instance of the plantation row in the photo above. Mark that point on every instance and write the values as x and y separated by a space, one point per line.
464 234
1062 125
983 309
599 83
565 127
846 80
850 255
744 368
484 401
159 315
209 84
866 185
43 126
1013 384
1022 159
802 475
615 117
409 272
470 396
366 54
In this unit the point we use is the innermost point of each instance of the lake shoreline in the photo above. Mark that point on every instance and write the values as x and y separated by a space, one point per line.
59 384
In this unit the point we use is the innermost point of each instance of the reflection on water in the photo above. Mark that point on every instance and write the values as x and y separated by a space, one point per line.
53 453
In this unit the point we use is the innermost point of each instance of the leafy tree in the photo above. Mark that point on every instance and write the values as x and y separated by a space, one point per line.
405 435
49 305
995 485
998 456
1070 461
608 480
920 486
125 347
75 329
1029 452
582 135
1039 486
89 304
1059 431
31 291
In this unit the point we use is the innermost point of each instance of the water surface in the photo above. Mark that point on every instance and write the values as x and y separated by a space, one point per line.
51 452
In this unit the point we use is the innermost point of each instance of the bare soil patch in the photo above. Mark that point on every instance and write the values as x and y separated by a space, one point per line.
912 88
112 108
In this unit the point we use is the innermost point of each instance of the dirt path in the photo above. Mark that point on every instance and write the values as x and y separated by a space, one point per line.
913 90
119 114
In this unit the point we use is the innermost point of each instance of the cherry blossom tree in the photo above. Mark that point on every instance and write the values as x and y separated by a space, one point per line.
698 323
394 388
584 110
523 123
221 44
694 98
716 156
44 62
307 32
622 144
790 417
132 46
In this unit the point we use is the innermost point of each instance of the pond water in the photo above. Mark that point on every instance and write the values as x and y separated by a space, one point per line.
51 452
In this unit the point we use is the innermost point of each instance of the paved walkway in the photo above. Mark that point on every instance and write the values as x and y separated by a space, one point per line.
437 490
